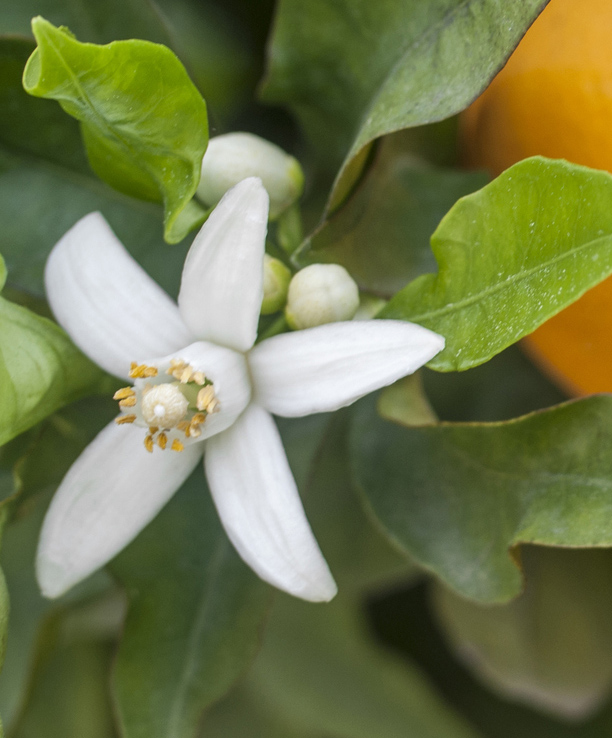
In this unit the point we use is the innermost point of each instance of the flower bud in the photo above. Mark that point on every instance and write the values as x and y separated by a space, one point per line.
321 293
275 285
234 156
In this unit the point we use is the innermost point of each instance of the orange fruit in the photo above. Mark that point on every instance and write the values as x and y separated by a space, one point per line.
554 97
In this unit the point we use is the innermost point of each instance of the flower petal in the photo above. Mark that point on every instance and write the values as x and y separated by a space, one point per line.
222 284
229 374
107 497
260 508
325 368
106 302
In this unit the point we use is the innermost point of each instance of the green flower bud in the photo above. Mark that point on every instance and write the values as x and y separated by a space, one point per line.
234 156
275 285
321 293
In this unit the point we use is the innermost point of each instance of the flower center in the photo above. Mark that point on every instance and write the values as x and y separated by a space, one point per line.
173 411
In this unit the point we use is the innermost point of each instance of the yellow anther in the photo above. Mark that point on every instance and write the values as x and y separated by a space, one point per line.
198 377
150 371
128 402
124 392
162 440
188 432
186 374
177 445
206 399
195 431
153 429
148 442
198 419
137 370
125 419
183 425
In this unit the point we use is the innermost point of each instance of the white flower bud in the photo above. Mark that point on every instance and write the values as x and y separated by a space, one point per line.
321 293
234 156
275 285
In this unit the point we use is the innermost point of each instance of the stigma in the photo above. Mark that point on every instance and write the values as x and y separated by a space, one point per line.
173 407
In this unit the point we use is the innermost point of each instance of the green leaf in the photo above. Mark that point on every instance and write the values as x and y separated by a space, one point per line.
143 122
323 674
40 370
459 497
511 256
354 70
193 620
382 233
552 646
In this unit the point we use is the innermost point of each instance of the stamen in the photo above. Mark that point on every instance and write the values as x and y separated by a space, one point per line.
153 429
198 377
162 440
124 392
137 371
207 400
148 442
198 419
125 419
186 374
177 445
128 402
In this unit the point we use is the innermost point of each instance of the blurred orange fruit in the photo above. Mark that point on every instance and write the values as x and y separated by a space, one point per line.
554 97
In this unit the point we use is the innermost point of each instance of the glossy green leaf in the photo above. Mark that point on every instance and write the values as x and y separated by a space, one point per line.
382 233
552 646
193 622
40 370
459 497
353 70
143 122
322 672
510 256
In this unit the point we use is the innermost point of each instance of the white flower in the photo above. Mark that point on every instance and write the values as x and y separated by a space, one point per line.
199 383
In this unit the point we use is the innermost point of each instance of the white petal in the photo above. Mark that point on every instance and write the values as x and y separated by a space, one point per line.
106 302
325 368
229 374
260 508
222 284
107 497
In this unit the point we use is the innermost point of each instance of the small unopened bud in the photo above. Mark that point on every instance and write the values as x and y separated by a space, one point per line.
234 156
321 293
275 285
